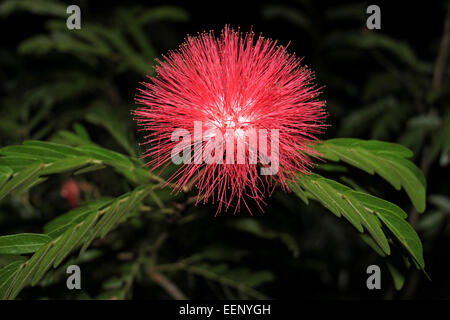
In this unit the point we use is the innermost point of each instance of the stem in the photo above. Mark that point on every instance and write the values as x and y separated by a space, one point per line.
438 72
130 279
443 54
166 284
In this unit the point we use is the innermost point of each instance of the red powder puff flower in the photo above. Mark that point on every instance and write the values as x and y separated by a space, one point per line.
71 192
243 113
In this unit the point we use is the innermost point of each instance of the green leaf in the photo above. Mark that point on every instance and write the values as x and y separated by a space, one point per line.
76 215
67 164
63 246
91 168
370 211
242 279
440 201
24 187
124 49
56 147
254 227
113 123
17 164
294 16
377 204
36 152
38 7
384 158
80 231
77 228
6 274
405 234
340 200
22 243
78 138
397 276
394 218
163 13
33 159
299 191
103 216
26 271
5 174
401 50
367 239
114 213
22 177
107 156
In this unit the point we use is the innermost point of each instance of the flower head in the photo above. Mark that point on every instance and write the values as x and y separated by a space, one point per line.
71 192
236 93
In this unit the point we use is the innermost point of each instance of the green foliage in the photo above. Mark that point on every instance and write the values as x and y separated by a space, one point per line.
34 159
254 227
125 43
386 159
402 51
23 165
22 243
101 116
135 238
364 210
80 230
39 7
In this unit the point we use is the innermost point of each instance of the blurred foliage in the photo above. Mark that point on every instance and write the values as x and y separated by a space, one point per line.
75 89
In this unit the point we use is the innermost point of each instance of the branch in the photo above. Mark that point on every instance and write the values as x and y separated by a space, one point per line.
443 54
166 284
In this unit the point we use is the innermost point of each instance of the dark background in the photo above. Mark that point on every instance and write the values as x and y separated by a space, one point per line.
378 84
